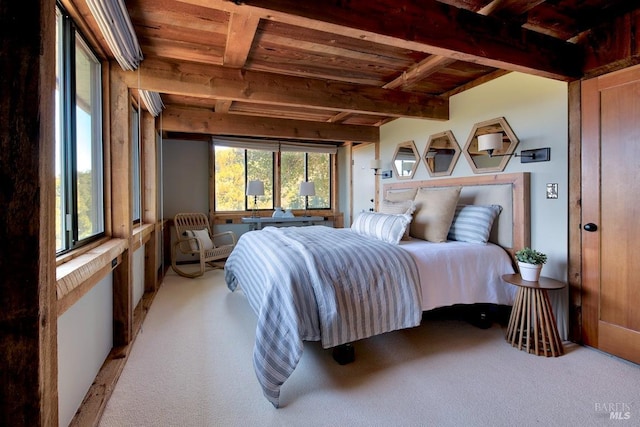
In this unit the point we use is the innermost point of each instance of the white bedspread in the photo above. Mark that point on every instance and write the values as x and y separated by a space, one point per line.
461 273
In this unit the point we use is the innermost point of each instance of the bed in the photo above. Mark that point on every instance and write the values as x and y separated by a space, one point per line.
338 286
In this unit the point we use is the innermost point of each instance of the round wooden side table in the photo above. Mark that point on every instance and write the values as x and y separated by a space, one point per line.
532 325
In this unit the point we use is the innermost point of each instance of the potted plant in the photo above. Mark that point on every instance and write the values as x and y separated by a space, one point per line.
530 263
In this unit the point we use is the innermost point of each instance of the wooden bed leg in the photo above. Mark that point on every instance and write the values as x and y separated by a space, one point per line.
344 354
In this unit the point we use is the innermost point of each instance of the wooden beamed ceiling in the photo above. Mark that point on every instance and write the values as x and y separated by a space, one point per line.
336 70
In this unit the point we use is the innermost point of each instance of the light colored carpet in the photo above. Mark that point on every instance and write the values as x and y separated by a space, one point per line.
191 366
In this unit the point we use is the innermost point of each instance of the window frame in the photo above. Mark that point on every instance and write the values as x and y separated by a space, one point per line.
67 138
137 180
276 191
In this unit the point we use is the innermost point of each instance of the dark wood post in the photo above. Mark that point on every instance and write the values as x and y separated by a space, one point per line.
28 319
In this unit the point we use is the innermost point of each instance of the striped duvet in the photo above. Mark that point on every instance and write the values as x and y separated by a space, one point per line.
319 284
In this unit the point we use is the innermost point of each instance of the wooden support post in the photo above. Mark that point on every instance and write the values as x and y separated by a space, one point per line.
150 199
121 205
28 319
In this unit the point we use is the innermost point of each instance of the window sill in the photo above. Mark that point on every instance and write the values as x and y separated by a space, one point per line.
78 275
141 235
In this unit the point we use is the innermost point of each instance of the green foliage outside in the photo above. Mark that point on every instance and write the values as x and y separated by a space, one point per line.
88 210
230 184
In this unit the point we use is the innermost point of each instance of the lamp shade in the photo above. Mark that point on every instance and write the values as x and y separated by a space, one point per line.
375 164
307 188
255 188
490 141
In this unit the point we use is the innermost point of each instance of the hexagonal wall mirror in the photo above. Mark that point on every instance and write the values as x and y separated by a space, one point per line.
405 160
441 154
482 161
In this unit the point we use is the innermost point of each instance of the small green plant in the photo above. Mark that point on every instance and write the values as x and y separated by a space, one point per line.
531 256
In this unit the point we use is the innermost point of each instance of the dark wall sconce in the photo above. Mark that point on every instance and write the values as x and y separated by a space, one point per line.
493 141
376 166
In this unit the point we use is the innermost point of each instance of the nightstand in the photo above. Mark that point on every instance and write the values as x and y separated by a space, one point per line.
532 325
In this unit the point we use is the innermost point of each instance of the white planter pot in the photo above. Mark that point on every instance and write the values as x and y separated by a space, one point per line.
529 272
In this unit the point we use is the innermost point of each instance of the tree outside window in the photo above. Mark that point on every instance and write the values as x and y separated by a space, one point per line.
235 166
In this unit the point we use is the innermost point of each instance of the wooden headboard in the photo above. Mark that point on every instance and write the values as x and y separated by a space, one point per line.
511 191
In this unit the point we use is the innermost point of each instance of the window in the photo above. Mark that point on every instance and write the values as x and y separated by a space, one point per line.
234 168
301 166
238 162
136 170
78 156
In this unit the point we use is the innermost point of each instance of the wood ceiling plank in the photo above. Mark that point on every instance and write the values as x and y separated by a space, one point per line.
217 82
152 15
477 82
180 52
189 120
429 26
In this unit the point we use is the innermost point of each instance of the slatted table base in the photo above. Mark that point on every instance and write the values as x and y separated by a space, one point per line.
532 325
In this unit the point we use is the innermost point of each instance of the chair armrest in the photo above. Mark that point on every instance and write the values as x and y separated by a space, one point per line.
183 243
224 238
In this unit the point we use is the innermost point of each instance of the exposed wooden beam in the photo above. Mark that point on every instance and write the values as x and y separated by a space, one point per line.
242 29
190 120
427 26
612 46
339 118
420 71
222 83
417 72
223 105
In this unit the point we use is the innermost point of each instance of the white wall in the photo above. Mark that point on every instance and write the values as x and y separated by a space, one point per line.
85 338
537 111
185 177
137 277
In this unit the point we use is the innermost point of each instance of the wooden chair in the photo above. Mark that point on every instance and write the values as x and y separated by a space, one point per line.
194 237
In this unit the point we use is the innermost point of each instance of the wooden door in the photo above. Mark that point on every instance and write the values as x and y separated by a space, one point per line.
611 213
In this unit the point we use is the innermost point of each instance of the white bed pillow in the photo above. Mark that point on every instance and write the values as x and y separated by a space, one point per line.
434 212
406 207
203 235
472 223
386 227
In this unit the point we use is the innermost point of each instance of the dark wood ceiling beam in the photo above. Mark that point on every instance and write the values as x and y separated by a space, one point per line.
223 83
242 30
427 26
203 121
